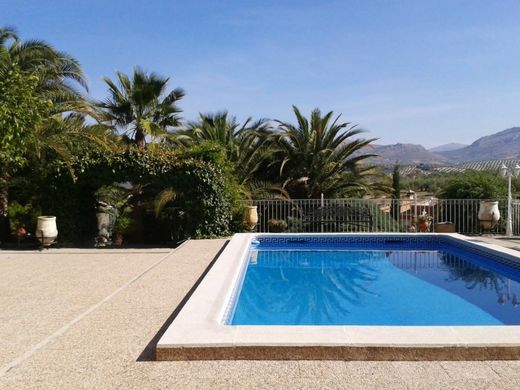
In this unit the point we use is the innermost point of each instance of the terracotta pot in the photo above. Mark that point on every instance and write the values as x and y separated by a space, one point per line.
117 239
488 214
46 230
251 217
424 226
21 233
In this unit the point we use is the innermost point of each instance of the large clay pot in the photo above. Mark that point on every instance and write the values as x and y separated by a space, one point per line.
46 230
251 217
488 214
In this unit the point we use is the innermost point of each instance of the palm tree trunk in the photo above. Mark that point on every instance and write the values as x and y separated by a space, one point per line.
139 138
4 203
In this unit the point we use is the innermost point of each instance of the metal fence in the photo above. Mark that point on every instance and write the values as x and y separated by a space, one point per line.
376 215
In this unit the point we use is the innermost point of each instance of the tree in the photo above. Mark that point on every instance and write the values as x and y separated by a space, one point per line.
58 73
396 193
141 106
247 147
321 156
38 91
245 144
475 185
21 111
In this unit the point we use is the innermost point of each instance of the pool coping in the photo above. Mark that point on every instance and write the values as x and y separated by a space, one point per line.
197 333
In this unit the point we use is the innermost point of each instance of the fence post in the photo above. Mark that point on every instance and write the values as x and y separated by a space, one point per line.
322 205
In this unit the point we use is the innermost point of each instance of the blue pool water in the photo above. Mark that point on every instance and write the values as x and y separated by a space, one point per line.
375 283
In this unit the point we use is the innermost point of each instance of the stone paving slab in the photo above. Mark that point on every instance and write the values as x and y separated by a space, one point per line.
106 348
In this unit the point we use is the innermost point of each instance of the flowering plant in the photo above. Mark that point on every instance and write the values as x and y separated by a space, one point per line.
424 217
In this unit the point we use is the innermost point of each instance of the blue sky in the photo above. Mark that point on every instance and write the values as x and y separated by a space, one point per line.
428 72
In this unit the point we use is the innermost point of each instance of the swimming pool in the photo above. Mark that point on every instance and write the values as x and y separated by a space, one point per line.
353 297
354 281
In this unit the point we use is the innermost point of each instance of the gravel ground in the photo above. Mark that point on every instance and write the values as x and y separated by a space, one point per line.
87 318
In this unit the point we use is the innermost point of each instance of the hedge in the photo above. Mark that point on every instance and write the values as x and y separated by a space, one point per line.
201 177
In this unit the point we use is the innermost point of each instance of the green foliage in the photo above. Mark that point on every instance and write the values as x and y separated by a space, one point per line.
433 183
246 147
204 192
123 224
396 193
396 183
475 185
140 106
22 215
384 221
320 155
21 111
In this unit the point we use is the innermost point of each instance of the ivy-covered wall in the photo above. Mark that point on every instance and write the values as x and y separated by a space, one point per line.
200 177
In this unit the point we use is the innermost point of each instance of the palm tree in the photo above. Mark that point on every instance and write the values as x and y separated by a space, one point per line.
247 146
140 106
51 79
58 73
321 156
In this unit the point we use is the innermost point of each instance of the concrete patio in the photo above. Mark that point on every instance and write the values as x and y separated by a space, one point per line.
89 318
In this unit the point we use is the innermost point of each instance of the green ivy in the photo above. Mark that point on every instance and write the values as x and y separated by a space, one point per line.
200 175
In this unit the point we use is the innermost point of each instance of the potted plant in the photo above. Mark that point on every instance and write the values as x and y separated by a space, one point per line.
277 225
423 221
121 227
114 207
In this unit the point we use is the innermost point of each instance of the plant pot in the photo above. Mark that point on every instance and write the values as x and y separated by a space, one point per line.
251 217
424 226
46 230
488 214
277 225
117 239
21 233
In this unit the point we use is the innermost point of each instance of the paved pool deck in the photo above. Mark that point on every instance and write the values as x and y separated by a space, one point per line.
89 319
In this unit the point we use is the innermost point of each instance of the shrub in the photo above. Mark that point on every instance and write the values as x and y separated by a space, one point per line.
475 185
22 215
199 176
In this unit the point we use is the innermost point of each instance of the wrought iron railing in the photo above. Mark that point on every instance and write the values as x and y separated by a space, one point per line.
377 215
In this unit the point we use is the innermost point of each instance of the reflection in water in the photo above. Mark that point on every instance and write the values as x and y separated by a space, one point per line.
304 289
458 270
375 287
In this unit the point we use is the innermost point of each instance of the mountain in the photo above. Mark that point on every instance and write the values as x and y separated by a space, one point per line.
406 154
447 147
499 146
504 145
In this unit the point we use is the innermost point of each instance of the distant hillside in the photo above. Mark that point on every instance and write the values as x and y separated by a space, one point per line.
499 146
406 154
504 145
447 147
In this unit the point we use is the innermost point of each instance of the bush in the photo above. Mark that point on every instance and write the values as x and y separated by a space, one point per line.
200 177
22 215
475 185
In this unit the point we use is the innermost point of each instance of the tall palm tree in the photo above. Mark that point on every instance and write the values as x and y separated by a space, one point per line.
57 79
59 74
247 145
321 155
141 106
